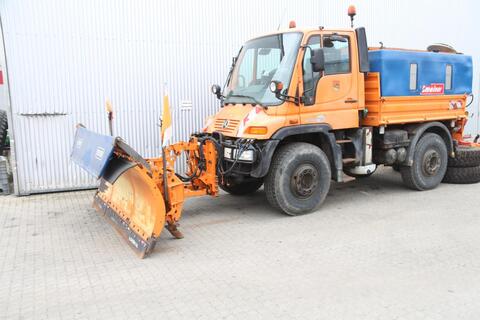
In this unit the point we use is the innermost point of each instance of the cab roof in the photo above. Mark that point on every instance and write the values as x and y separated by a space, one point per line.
303 30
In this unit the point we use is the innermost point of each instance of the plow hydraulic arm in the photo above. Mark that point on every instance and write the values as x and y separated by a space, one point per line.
141 197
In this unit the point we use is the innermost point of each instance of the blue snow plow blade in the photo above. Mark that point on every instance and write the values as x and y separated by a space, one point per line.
92 151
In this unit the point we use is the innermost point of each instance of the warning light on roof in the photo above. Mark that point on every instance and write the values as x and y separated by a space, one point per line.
292 24
352 11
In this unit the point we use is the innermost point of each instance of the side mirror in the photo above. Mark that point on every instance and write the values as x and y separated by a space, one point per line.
317 60
276 87
216 90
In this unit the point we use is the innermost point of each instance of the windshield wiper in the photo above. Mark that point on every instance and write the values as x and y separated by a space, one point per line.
244 96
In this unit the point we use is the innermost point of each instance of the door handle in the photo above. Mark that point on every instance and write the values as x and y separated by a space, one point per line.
351 101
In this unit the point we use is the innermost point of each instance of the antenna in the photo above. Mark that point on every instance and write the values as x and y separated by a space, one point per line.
281 18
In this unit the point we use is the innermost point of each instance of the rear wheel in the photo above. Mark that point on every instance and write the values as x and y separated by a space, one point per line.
240 186
299 178
429 164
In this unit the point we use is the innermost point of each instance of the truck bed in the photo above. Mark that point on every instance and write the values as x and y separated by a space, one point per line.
389 110
407 86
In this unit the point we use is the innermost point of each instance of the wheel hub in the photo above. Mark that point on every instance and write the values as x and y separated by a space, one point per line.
304 180
431 163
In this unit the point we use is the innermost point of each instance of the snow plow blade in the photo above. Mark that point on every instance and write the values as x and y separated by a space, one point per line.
127 196
135 208
134 195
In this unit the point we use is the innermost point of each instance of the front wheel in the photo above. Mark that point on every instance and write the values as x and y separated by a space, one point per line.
299 178
429 163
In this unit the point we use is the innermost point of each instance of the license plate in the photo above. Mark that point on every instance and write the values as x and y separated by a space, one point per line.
227 153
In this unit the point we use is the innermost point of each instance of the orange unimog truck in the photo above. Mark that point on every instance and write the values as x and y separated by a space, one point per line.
306 105
300 108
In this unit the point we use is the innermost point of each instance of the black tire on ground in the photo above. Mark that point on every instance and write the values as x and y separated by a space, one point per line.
429 163
356 175
465 157
299 178
3 128
459 175
240 186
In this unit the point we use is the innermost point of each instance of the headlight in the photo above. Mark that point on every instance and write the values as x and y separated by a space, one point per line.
246 155
273 86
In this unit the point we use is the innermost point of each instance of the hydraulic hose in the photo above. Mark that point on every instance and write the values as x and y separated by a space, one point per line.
241 146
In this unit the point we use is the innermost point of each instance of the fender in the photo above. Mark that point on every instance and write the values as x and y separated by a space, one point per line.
270 146
266 154
416 132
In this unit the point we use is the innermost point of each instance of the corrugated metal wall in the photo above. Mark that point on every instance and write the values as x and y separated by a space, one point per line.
65 58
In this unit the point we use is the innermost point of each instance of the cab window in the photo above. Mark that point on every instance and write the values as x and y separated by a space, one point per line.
268 61
257 64
245 72
336 50
261 61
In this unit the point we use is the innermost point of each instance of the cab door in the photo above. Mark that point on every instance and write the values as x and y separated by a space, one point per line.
330 96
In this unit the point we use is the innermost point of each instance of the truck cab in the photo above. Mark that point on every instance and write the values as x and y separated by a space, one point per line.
333 95
329 98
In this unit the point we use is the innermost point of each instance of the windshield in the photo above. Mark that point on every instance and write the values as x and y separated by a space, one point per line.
260 61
